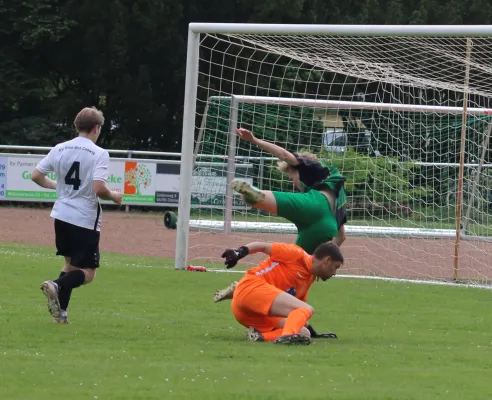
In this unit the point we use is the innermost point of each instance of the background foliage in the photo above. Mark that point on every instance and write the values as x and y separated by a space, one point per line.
128 57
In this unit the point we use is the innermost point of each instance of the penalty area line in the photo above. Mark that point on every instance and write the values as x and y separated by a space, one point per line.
418 281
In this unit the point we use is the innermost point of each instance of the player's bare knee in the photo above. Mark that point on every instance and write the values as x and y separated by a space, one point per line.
90 274
311 309
305 332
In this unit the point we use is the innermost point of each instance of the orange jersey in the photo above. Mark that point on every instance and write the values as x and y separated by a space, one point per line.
289 268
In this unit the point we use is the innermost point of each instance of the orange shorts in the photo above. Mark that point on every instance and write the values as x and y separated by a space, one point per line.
253 298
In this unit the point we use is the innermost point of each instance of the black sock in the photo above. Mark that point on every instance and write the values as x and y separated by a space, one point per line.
70 280
64 298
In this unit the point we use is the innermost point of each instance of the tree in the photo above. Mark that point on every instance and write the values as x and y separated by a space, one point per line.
128 58
29 30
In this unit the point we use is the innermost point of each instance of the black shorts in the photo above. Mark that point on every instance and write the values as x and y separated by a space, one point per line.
80 244
341 215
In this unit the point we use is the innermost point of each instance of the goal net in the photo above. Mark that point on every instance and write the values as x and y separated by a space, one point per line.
388 112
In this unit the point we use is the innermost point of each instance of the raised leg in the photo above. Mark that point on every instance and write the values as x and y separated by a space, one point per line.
256 198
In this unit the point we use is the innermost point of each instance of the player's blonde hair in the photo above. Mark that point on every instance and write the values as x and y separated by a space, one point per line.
284 167
87 118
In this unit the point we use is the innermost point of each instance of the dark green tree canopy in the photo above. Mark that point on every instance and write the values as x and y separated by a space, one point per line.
128 57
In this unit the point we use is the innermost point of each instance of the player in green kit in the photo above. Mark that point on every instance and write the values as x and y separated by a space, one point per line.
319 211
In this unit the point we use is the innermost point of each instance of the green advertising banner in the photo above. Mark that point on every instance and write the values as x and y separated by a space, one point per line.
142 182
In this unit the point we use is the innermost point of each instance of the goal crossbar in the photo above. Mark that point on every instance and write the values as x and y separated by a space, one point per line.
359 105
343 30
346 105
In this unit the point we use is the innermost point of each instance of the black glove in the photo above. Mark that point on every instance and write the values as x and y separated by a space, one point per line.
317 335
233 256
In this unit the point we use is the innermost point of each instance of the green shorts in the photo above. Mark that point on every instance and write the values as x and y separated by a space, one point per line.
312 215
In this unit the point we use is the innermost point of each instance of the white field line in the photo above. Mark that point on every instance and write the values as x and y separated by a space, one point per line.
397 280
216 270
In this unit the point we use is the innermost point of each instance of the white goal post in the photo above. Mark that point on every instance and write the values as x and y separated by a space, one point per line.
423 99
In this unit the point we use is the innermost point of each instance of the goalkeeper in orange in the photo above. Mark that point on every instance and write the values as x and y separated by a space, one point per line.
270 300
319 212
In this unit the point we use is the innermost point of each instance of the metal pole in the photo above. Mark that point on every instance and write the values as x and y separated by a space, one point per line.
199 138
260 174
352 105
137 152
127 206
462 160
360 105
231 167
485 146
186 172
344 30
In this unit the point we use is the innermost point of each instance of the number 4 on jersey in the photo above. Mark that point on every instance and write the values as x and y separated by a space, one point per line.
72 176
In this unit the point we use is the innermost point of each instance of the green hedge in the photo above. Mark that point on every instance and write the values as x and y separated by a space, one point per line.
370 180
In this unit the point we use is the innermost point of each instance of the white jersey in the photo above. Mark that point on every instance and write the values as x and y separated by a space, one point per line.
76 164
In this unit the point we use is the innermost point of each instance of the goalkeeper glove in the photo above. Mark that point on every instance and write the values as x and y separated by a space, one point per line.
315 334
233 256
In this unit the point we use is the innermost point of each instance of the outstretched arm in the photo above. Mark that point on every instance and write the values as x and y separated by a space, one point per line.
272 148
259 247
340 238
232 256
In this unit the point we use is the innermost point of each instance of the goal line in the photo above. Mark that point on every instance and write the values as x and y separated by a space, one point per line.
352 230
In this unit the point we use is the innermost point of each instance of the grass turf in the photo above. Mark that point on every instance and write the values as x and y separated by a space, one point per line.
145 331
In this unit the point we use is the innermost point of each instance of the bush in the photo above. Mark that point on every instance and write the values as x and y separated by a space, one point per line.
374 185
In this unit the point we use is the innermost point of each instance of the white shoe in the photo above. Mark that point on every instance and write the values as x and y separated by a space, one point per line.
225 294
251 194
50 289
63 319
254 335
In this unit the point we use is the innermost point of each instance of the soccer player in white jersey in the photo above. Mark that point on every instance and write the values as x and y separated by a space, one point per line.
81 169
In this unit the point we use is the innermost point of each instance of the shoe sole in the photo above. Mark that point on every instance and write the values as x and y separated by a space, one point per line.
224 294
293 340
53 303
245 189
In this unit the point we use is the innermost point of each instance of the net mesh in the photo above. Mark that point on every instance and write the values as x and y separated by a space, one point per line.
401 165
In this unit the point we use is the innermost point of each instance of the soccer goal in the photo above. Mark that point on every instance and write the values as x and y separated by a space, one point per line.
402 111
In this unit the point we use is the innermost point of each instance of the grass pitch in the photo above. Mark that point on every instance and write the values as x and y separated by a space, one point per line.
145 331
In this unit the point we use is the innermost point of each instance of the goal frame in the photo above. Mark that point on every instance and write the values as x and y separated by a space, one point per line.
236 100
195 31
